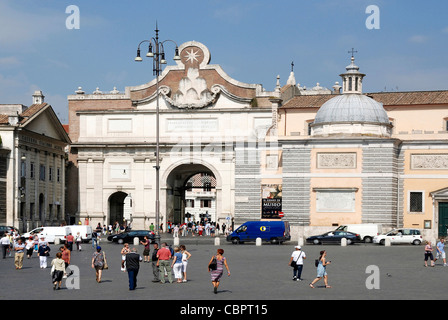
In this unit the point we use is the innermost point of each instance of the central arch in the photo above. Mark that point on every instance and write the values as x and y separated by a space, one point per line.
179 183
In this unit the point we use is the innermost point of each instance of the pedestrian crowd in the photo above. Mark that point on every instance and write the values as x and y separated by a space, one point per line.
167 262
197 229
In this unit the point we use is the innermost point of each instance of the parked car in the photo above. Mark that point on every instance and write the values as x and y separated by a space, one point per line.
128 237
7 229
334 237
366 231
273 231
400 236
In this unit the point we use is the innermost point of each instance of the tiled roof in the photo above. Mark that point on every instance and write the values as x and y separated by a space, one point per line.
386 98
25 115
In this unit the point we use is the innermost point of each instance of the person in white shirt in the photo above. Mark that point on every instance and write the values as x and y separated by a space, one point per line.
5 243
296 261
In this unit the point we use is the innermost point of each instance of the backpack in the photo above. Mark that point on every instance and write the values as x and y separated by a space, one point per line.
316 263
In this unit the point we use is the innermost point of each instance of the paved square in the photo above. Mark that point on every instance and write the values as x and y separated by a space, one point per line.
257 273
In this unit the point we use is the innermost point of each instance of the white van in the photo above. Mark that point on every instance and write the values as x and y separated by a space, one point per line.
50 233
84 231
366 231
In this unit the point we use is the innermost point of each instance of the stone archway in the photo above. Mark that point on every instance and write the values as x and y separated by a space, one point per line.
175 185
116 207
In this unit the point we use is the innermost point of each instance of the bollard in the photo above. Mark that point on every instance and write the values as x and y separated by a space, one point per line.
176 241
343 242
387 242
57 240
217 241
300 242
258 242
136 241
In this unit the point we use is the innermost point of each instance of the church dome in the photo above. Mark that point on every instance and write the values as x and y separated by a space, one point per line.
352 108
351 113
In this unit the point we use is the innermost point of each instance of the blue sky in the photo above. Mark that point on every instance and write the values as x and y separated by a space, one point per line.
253 41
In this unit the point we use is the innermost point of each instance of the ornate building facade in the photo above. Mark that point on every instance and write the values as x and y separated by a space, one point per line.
315 157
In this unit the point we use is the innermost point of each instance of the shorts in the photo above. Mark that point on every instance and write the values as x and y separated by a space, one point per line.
440 255
428 255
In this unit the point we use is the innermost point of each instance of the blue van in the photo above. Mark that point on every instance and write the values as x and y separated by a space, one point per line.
273 231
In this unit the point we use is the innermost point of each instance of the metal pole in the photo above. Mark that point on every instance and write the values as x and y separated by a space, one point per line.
157 60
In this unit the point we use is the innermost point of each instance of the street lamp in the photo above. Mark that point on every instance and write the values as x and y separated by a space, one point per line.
157 53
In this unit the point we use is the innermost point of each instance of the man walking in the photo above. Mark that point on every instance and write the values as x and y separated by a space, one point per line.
132 260
297 258
154 260
164 263
441 251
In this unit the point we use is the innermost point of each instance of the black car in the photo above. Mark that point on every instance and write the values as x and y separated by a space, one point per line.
128 237
7 229
334 237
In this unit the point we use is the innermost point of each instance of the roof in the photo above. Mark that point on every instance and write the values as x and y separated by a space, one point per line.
386 98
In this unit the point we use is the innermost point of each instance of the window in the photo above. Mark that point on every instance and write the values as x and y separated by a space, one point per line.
207 186
23 169
50 174
58 175
189 203
32 170
416 201
42 173
206 203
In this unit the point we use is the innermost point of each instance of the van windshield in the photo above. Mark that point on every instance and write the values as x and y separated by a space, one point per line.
36 231
241 229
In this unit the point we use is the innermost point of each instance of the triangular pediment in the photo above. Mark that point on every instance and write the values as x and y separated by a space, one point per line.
441 193
42 120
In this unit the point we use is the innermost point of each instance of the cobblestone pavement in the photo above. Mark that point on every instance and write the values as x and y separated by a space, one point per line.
257 273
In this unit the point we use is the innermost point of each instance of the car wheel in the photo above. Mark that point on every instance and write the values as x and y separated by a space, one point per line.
274 241
349 241
235 240
120 241
416 242
368 240
382 242
315 241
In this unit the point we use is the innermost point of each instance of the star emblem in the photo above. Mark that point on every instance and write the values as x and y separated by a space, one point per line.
192 56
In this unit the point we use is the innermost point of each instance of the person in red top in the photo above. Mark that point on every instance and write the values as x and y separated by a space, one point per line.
164 263
70 238
66 256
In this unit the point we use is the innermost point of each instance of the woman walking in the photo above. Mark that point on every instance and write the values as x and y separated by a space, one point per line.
216 272
99 263
176 265
322 270
428 254
59 270
78 241
185 256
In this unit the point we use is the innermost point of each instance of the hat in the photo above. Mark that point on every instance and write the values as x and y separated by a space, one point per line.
298 247
98 248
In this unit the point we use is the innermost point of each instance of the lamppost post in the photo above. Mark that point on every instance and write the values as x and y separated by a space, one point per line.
158 57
